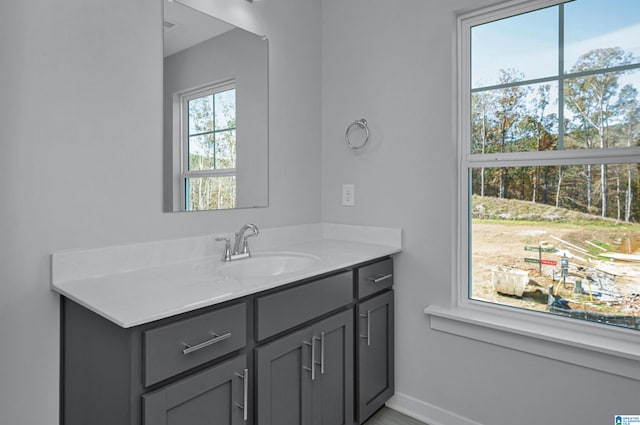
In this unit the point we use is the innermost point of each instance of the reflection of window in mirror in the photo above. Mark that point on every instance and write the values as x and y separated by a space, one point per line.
208 141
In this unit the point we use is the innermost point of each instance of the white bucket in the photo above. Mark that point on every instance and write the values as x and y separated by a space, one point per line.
509 281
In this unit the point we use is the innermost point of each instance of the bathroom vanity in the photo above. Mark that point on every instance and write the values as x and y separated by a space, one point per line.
307 347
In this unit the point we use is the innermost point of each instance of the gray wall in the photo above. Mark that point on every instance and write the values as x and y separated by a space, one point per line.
391 63
81 155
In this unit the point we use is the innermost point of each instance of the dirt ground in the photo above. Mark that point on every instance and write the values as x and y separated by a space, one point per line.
502 244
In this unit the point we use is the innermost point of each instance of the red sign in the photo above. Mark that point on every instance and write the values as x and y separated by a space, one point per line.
548 262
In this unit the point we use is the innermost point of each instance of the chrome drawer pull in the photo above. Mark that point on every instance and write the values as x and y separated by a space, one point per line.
380 278
217 338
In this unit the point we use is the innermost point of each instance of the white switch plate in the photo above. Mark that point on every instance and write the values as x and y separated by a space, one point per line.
348 195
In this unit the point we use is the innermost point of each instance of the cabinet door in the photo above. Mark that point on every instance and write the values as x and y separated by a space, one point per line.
333 384
217 395
375 354
283 380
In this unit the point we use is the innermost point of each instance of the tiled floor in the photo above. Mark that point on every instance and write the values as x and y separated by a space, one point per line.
386 416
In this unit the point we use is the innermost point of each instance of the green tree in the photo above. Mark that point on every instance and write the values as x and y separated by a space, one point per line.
628 107
509 109
481 128
590 97
538 127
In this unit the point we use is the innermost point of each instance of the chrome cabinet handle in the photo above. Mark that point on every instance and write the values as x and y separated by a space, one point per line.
312 344
217 338
322 353
311 369
368 327
380 278
368 335
245 396
314 362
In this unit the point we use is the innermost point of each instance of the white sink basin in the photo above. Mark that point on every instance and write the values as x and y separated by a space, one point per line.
267 264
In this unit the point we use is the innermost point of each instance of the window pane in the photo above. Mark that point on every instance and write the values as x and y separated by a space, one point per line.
602 110
546 246
201 152
526 44
210 193
226 149
515 119
200 114
225 104
601 34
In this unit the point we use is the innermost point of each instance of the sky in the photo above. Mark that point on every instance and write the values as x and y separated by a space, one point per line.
529 42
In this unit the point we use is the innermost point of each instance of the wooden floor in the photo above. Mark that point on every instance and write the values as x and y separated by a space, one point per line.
386 416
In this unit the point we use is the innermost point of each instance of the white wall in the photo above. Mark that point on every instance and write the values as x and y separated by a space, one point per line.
391 63
81 155
81 163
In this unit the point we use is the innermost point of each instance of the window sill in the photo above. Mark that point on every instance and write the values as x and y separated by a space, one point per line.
615 351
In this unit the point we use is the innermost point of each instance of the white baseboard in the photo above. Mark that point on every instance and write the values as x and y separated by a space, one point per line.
425 412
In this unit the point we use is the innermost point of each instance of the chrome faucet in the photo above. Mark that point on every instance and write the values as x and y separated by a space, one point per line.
241 245
242 239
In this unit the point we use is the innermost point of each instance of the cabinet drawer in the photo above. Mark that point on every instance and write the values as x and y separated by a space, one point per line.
286 309
177 347
375 277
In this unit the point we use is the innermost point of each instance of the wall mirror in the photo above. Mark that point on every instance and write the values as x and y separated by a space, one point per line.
215 125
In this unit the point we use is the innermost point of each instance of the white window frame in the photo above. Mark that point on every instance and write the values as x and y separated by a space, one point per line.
588 344
185 173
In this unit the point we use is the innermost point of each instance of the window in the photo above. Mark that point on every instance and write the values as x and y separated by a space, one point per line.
208 145
550 159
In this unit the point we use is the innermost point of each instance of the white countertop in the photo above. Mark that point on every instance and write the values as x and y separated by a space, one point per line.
136 284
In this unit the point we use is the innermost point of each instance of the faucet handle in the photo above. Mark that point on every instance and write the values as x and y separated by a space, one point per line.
227 248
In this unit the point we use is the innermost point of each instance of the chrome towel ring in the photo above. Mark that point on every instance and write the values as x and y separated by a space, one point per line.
361 123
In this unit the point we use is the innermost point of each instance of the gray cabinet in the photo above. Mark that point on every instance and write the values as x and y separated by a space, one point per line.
374 278
306 377
375 379
217 395
315 352
283 380
183 345
159 373
333 385
291 307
